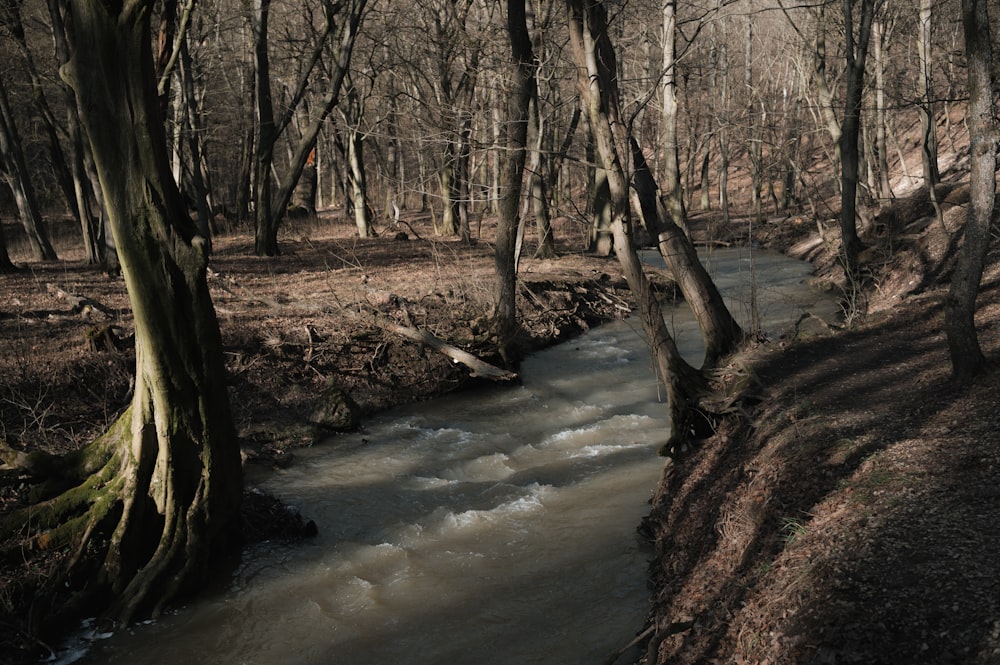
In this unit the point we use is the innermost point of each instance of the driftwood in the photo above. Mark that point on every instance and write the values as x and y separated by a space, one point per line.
478 367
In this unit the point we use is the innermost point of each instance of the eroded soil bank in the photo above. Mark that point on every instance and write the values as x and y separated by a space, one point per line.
851 518
848 519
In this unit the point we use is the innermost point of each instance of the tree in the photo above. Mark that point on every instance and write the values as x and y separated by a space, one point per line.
671 166
512 174
86 189
926 106
856 52
720 332
352 112
455 63
967 357
10 18
595 59
270 206
160 490
15 171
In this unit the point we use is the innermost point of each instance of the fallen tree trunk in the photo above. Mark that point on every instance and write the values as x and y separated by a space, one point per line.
477 367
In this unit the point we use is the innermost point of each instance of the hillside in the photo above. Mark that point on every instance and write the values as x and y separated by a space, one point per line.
851 517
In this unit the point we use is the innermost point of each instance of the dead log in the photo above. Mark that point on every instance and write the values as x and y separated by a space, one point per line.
477 367
80 304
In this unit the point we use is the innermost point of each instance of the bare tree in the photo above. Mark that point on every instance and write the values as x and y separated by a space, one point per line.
856 52
595 59
159 492
512 174
15 171
341 22
967 357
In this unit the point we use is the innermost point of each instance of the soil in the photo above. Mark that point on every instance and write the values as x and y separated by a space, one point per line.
851 516
847 516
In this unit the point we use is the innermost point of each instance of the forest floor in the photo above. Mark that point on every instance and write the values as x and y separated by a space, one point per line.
851 517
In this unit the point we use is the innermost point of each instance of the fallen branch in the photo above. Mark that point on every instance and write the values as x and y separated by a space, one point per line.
621 652
80 304
478 367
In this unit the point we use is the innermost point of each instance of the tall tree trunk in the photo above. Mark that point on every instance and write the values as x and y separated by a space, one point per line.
671 160
16 172
83 190
595 60
265 136
505 323
967 358
856 52
359 187
755 131
926 107
172 485
719 330
272 205
722 118
601 236
538 194
881 121
448 181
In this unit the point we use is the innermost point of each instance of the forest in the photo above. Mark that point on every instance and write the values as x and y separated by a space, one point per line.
231 232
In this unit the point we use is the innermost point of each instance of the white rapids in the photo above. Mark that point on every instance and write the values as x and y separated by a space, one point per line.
495 527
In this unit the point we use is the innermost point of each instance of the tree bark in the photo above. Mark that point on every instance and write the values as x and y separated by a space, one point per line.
354 157
881 120
595 60
172 484
967 357
16 171
928 144
671 162
719 330
856 52
272 205
505 324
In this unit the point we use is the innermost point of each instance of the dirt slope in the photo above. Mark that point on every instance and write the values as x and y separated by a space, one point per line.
852 518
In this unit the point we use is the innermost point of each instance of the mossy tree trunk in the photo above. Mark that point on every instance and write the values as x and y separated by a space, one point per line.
169 492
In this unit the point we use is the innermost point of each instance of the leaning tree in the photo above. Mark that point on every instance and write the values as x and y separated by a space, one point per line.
158 493
595 59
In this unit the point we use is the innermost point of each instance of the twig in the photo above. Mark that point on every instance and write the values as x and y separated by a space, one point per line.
621 652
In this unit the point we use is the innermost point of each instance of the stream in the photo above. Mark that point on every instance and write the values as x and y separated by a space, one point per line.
494 527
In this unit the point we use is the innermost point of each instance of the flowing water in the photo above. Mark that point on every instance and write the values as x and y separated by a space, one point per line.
496 527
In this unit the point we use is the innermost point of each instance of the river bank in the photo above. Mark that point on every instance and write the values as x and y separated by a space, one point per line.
735 525
311 346
850 517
